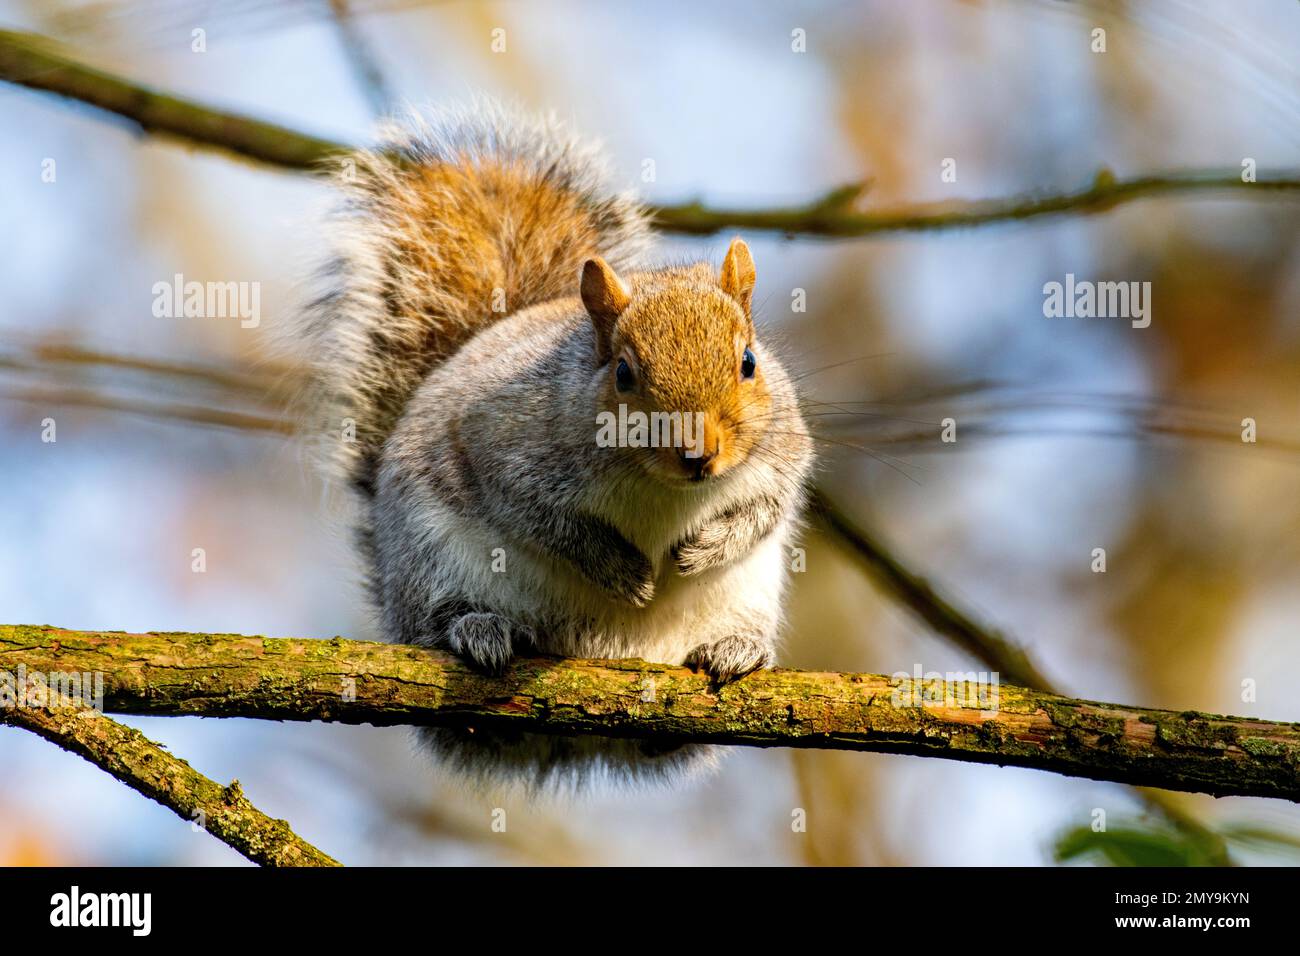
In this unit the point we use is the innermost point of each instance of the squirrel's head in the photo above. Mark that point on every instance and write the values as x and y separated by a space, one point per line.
678 347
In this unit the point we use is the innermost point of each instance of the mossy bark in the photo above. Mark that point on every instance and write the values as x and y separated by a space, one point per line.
226 675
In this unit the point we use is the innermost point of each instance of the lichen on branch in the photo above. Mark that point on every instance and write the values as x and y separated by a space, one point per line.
225 675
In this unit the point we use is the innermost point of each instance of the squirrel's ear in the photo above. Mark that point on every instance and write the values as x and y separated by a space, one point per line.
738 275
605 297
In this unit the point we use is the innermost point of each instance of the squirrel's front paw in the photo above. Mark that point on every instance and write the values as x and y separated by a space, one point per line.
631 577
487 640
705 549
731 657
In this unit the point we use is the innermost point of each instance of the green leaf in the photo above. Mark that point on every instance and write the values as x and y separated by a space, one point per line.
1132 845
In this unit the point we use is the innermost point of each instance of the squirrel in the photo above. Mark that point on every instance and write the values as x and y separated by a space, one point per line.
489 306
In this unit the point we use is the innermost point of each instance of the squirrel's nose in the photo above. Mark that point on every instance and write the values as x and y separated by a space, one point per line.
697 466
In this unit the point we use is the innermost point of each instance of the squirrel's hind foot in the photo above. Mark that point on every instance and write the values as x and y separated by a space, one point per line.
488 641
731 657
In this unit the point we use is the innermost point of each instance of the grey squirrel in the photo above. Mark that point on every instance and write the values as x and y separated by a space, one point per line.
489 303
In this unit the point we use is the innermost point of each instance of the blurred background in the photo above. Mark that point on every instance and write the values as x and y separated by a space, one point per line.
1073 434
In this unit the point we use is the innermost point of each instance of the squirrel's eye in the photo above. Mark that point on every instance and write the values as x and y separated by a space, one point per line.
623 376
747 364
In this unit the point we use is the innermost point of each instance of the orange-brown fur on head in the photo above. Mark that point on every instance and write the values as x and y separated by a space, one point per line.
683 334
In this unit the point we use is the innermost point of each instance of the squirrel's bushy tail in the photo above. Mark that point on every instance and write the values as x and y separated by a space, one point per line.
455 220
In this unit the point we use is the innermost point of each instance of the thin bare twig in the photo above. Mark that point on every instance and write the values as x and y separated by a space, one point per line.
35 62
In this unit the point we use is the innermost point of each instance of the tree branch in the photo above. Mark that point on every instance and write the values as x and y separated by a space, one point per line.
364 63
147 768
196 414
223 675
839 220
35 62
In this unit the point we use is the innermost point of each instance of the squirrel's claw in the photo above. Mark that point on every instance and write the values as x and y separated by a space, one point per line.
487 640
632 580
641 593
731 658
